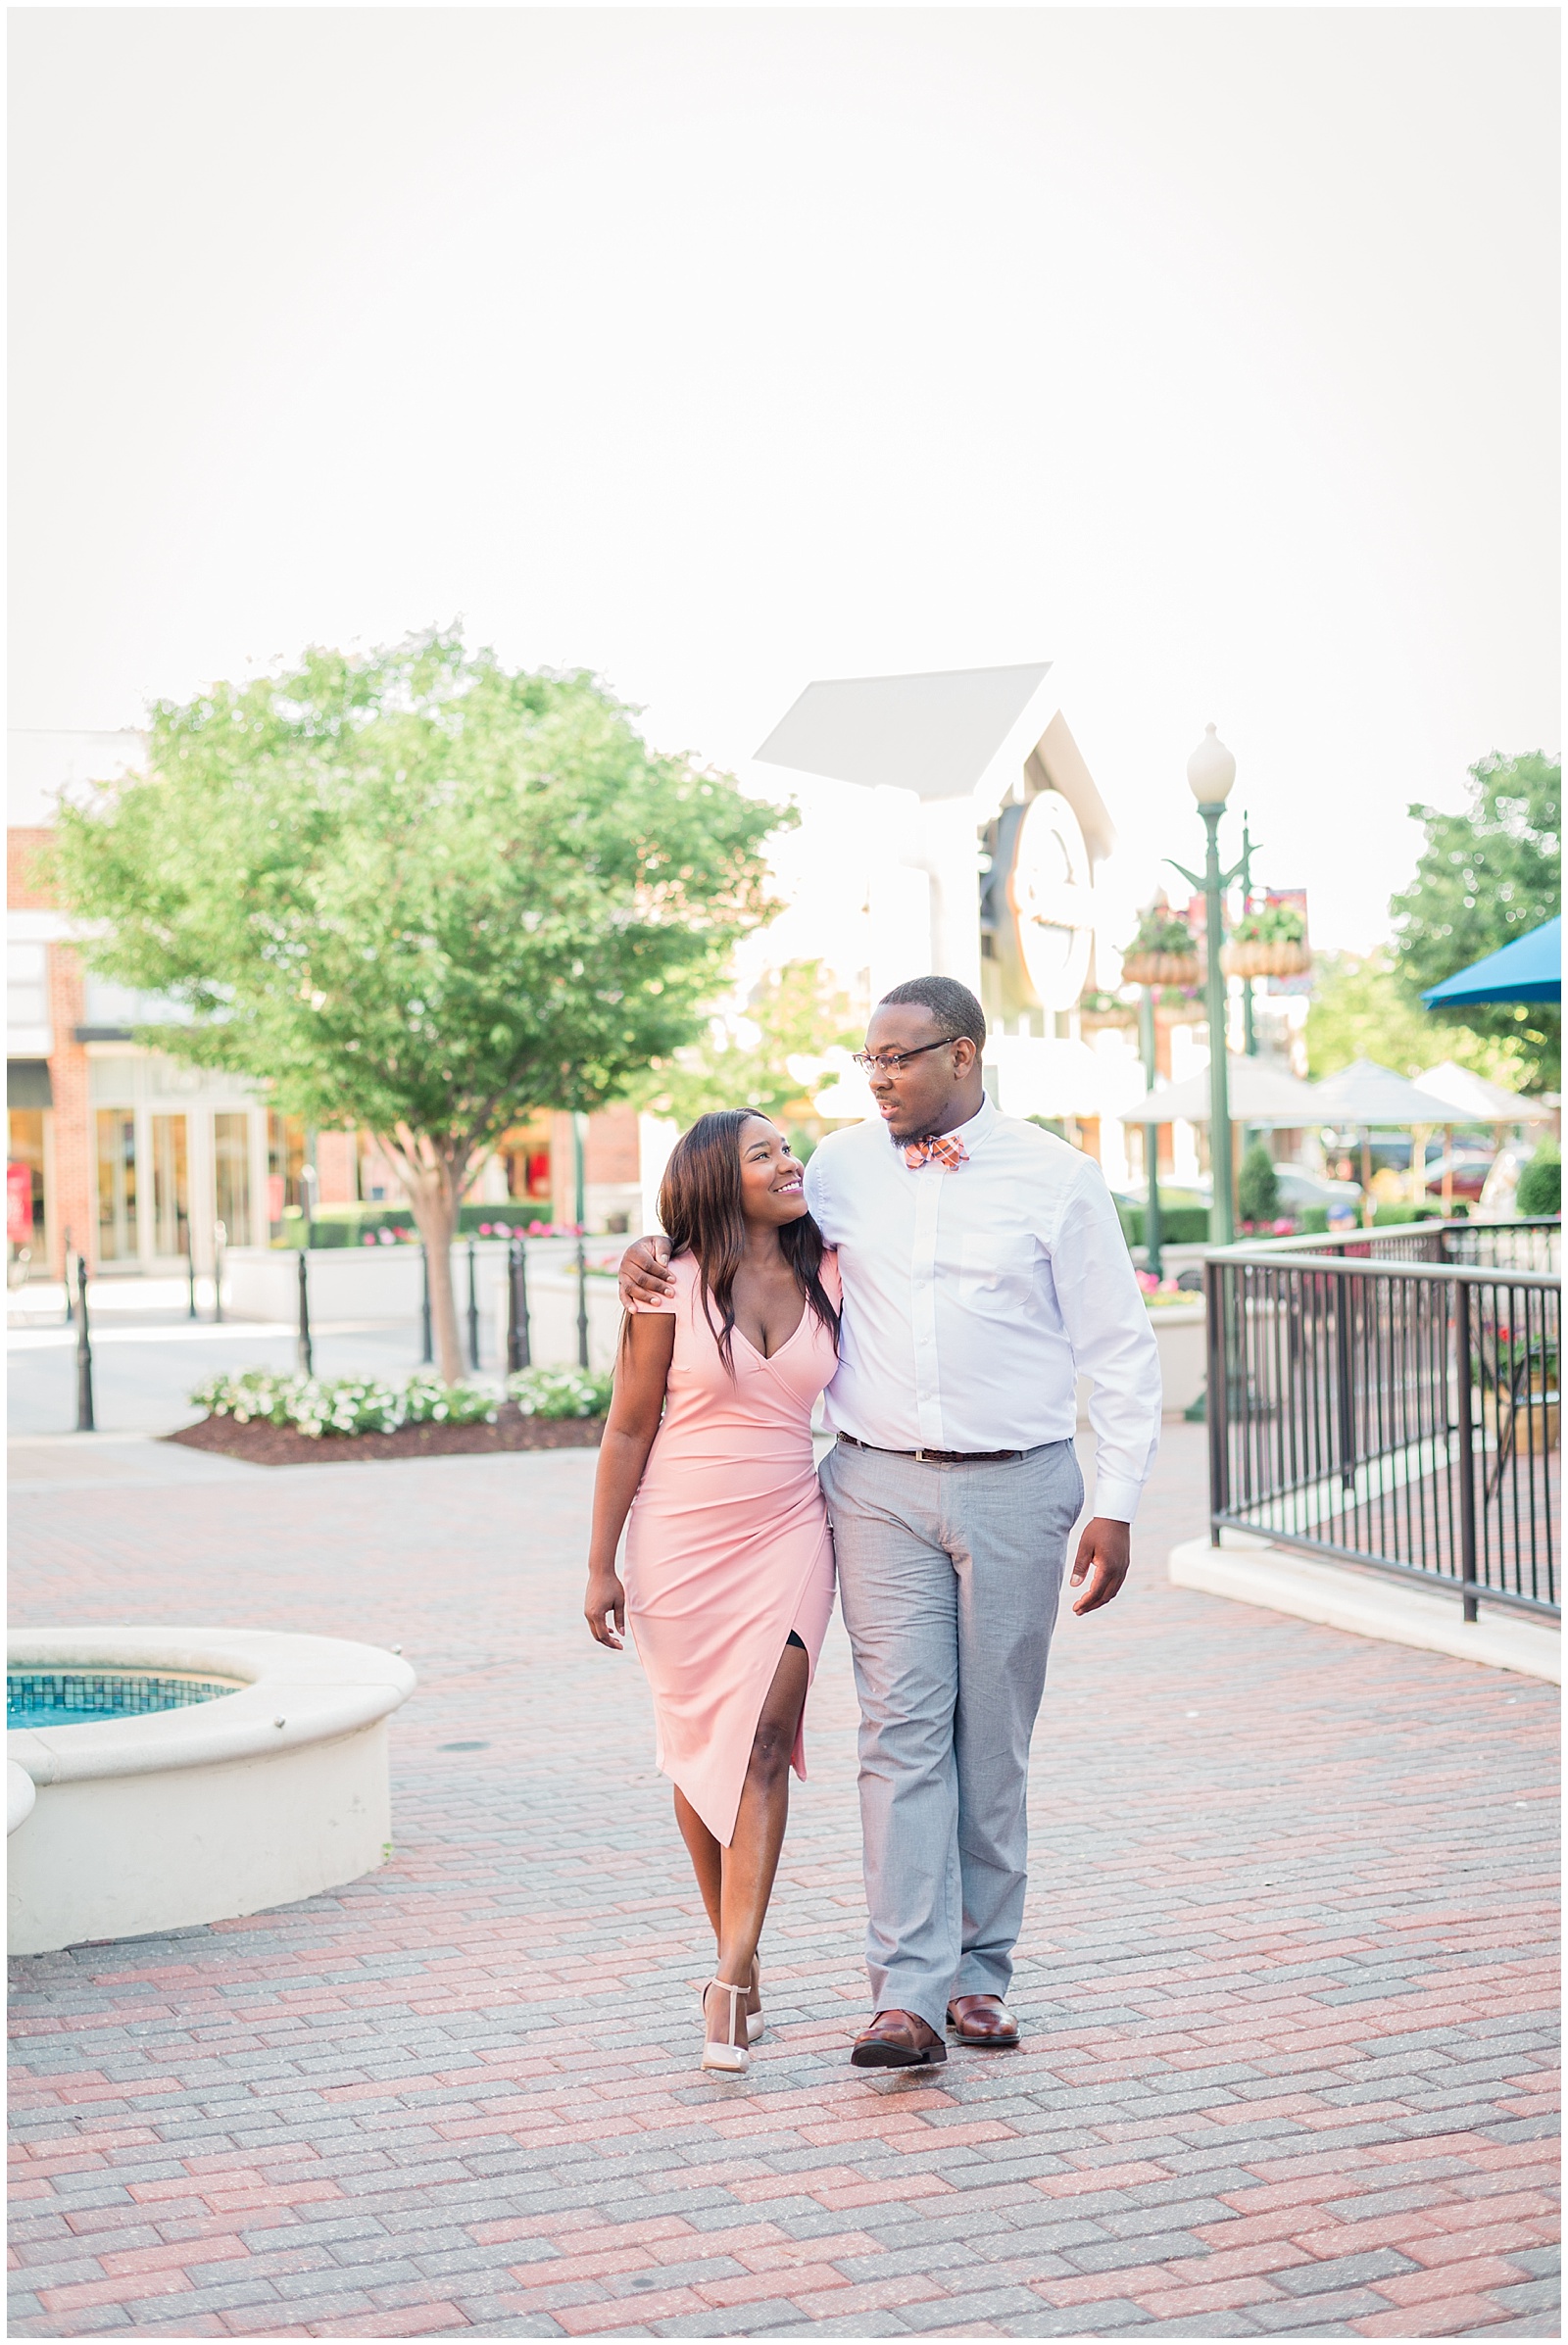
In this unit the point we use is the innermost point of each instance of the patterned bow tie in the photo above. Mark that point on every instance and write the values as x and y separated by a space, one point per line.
950 1152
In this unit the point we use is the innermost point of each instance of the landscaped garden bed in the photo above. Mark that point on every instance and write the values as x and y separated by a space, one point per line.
274 1420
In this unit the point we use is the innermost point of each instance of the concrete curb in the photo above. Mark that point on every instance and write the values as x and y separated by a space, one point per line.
1366 1604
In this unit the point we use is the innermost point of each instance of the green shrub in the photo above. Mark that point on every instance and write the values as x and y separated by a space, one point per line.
1179 1225
1539 1190
1258 1192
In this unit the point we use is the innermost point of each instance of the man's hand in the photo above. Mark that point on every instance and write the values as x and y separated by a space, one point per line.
644 1275
1104 1552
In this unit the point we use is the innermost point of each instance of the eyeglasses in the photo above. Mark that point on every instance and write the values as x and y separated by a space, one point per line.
888 1062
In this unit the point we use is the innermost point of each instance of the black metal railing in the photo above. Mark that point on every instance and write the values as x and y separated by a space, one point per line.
1391 1400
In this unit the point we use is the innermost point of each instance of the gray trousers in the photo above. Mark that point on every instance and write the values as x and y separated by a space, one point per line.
949 1578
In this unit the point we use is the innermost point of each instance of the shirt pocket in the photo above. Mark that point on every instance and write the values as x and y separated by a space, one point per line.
996 1269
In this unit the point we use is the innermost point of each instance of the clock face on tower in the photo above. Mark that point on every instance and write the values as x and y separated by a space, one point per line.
1050 895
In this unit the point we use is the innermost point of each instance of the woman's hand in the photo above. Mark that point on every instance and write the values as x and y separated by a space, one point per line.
645 1275
606 1601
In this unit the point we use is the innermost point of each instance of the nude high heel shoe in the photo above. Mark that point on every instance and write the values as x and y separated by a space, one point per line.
729 2058
754 2024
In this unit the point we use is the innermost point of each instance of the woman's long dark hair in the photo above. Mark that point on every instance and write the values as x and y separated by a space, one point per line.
699 1206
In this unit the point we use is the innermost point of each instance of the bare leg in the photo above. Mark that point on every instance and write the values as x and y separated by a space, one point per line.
706 1854
750 1860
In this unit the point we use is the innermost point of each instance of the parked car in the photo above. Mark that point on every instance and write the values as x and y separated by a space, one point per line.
1470 1167
1299 1187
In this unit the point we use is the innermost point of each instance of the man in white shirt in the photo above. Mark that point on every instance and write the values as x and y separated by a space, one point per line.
984 1269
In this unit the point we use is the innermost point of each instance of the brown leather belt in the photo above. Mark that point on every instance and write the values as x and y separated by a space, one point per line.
937 1457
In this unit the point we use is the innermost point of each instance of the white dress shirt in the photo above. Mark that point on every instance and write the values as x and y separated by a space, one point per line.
974 1295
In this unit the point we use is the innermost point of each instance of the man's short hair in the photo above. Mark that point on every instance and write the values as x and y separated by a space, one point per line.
950 1004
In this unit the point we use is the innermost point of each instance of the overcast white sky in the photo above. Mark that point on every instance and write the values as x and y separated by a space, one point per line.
1209 354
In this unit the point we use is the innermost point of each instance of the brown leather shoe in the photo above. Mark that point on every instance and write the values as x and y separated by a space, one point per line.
898 2040
983 2021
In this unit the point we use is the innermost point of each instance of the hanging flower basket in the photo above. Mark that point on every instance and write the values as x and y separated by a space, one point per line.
1160 968
1247 957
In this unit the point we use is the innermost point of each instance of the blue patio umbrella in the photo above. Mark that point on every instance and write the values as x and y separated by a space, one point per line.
1530 969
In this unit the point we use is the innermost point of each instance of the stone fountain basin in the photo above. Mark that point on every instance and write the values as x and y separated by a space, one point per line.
209 1811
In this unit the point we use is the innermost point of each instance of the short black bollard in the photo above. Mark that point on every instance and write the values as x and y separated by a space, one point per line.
66 1273
190 1271
474 1308
427 1354
307 1366
519 1354
220 1247
582 1305
84 1422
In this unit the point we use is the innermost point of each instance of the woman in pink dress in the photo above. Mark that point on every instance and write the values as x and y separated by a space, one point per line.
728 1566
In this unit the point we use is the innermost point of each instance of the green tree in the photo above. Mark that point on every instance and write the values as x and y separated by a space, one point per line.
762 1055
1257 1189
1486 877
1362 1007
1541 1183
418 893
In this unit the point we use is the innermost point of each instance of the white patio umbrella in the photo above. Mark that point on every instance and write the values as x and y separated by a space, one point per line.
1471 1100
1466 1097
1370 1096
1258 1095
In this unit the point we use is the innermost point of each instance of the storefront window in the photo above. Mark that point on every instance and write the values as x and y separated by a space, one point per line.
170 1191
231 1158
25 1231
116 1184
285 1161
525 1149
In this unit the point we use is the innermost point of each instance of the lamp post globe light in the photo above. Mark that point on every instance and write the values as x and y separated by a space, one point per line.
1210 773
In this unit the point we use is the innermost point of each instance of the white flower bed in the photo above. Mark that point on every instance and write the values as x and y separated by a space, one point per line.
560 1393
316 1405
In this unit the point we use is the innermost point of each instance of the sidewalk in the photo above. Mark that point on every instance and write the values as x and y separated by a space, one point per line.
1286 1979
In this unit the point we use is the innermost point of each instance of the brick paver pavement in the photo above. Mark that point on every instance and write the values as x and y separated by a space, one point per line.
1285 1981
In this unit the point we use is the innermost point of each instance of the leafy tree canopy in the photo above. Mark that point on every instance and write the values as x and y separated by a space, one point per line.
1485 878
763 1057
1361 1008
418 893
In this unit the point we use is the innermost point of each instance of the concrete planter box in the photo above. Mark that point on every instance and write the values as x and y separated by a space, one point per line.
1181 1331
262 1796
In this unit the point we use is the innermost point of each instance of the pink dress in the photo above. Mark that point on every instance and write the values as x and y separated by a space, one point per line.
727 1543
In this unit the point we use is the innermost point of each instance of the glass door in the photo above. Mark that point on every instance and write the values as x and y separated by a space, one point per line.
171 1194
27 1238
116 1184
